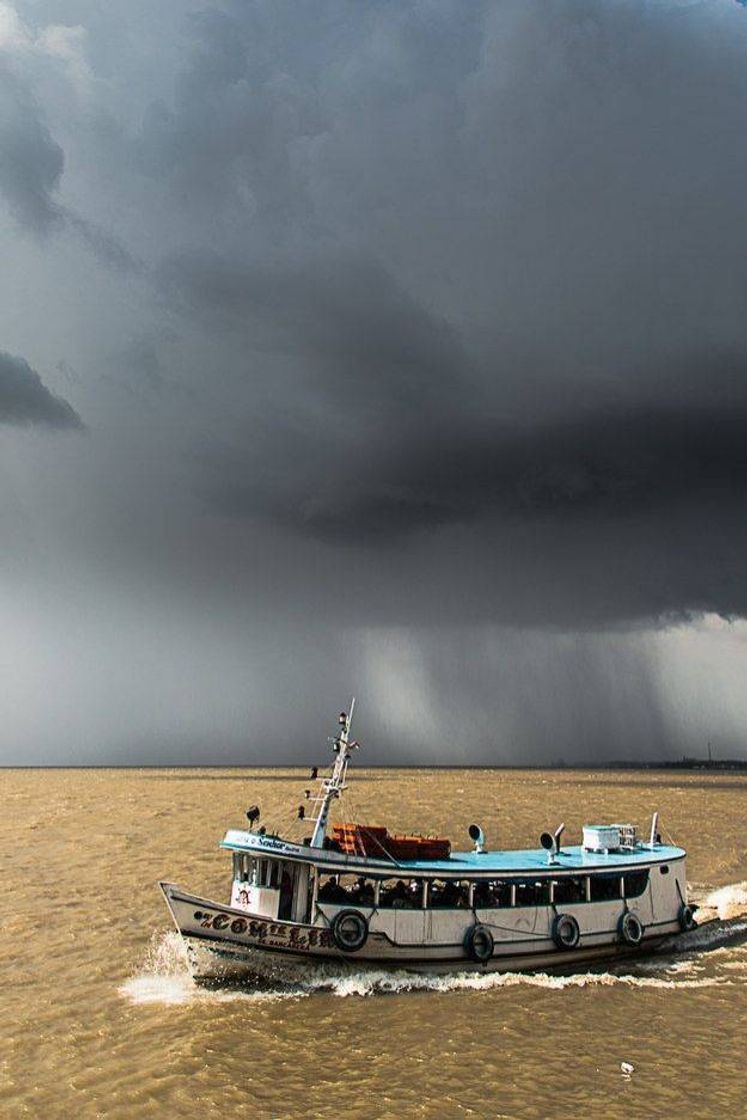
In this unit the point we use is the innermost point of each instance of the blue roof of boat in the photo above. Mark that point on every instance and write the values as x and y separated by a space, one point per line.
572 858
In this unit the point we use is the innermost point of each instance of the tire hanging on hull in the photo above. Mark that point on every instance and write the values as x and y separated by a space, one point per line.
478 943
686 917
349 930
565 931
630 929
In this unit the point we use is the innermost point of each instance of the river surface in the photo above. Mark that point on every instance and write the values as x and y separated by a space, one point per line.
101 1019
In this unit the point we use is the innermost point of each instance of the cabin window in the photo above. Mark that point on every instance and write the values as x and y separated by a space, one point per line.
569 889
362 891
535 892
448 894
401 894
243 867
331 889
605 888
664 870
268 873
491 893
350 890
635 883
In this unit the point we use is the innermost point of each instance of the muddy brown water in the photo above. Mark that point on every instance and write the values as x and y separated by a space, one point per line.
101 1019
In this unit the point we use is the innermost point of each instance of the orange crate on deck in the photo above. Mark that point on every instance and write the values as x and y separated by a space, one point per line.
373 840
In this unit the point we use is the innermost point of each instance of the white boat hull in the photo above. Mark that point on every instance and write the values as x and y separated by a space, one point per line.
229 944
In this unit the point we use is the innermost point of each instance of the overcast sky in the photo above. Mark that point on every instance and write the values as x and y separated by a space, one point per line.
391 348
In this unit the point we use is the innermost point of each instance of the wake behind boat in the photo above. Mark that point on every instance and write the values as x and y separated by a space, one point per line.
410 902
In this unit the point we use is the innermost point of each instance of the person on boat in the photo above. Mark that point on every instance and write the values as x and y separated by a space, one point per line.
450 896
362 892
332 891
400 897
436 894
286 897
485 896
415 894
396 897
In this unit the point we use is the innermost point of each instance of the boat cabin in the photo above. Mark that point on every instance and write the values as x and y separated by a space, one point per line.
290 890
276 889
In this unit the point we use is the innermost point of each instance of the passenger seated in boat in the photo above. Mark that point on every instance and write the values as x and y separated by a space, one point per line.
331 891
435 894
326 890
568 890
362 892
453 895
449 895
485 896
396 897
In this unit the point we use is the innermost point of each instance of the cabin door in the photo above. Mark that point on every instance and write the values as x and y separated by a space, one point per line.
285 906
300 892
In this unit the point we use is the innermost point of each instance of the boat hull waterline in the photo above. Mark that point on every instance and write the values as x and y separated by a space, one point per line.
228 944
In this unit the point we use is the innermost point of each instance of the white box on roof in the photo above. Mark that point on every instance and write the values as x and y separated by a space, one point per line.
601 837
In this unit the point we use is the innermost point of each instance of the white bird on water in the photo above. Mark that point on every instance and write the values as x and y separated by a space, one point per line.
627 1068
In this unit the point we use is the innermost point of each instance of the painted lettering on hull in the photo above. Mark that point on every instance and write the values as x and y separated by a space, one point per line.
266 933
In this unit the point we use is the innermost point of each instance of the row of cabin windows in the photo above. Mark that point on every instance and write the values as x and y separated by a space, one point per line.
417 894
452 894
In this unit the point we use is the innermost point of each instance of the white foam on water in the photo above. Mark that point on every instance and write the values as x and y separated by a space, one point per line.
158 989
165 976
369 983
165 979
729 901
673 967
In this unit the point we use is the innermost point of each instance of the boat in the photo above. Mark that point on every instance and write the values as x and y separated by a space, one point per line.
356 894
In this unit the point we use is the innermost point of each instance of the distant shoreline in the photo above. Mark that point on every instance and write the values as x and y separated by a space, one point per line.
733 765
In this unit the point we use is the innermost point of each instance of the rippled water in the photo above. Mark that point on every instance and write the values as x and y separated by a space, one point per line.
101 1019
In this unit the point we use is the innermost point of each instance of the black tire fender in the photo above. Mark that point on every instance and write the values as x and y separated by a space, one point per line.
630 928
478 943
565 931
349 930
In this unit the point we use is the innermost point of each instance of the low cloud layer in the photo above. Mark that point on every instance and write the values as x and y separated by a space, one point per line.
31 161
25 399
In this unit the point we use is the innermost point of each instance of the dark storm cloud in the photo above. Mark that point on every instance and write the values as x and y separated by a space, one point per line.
25 399
359 334
440 330
490 274
602 466
31 162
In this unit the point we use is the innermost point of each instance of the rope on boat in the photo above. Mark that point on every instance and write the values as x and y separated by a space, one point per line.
375 839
